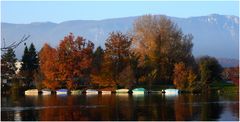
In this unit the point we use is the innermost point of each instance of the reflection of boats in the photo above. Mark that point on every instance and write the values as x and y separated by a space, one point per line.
75 92
91 91
31 92
171 91
122 91
155 92
46 91
106 92
138 91
62 91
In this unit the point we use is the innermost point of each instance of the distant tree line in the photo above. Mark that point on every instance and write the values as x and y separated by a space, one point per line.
155 52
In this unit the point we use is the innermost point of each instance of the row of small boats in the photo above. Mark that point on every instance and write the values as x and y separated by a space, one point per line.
92 91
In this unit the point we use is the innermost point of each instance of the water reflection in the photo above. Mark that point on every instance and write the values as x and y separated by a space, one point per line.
120 107
17 116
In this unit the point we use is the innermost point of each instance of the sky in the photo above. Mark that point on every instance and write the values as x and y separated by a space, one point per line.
45 11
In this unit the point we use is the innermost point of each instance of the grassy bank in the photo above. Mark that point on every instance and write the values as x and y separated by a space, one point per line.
224 87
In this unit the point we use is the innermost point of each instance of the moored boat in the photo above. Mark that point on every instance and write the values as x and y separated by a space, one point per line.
46 91
122 90
106 92
62 92
31 92
76 92
91 91
138 91
171 91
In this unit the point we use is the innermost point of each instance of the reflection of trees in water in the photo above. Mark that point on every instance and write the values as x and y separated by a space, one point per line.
123 107
234 107
109 107
153 107
183 107
197 107
61 108
28 103
210 108
22 108
100 107
120 107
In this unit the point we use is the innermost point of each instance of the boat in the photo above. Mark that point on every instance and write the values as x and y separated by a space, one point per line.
138 91
91 91
171 91
31 92
106 92
46 91
122 91
62 92
76 92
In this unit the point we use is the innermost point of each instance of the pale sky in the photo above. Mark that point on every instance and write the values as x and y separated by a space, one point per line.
30 11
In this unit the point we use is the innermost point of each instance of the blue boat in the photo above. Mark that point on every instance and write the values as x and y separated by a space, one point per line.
62 92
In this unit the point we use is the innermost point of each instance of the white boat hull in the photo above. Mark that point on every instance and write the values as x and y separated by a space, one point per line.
138 92
91 92
46 92
32 92
122 91
106 92
171 92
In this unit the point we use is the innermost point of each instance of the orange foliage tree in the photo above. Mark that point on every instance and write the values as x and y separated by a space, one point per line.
48 66
68 64
180 76
75 59
185 79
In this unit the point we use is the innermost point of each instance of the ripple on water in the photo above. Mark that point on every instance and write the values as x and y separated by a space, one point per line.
46 107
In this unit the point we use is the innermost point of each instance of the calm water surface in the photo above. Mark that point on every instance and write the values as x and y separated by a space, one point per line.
121 107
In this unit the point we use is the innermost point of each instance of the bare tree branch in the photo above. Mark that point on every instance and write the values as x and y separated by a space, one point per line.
14 44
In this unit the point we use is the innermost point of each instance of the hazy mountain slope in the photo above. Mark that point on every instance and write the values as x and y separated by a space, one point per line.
228 62
214 35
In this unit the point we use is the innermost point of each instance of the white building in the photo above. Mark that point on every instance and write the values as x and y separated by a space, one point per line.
18 65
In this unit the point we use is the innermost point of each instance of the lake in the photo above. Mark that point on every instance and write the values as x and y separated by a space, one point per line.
121 107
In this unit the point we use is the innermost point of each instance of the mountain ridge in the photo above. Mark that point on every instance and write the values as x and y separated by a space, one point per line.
215 35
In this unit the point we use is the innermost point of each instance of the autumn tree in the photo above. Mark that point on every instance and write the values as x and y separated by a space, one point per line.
49 67
185 78
117 54
163 42
74 60
180 76
101 77
232 74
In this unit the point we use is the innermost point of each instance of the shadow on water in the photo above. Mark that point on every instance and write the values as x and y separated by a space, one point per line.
120 107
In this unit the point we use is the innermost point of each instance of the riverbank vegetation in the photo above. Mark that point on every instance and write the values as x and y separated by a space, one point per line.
155 54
